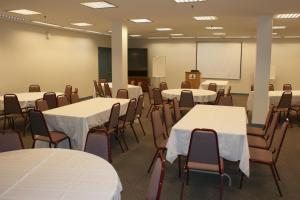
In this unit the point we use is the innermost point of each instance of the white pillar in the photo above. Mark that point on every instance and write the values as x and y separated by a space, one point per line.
262 73
119 45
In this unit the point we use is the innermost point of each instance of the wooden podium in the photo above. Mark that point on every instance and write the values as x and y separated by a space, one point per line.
194 77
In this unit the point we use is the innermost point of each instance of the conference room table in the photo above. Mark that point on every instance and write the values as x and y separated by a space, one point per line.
26 99
76 119
230 124
61 174
133 90
200 95
220 84
274 98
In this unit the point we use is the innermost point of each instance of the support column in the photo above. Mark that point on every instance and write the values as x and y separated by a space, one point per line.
119 41
262 72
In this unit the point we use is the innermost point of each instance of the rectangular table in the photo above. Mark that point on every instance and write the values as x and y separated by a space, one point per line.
220 84
274 98
76 119
229 123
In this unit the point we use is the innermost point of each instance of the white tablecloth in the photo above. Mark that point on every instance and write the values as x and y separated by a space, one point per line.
274 98
26 99
60 174
199 94
133 90
229 123
76 119
220 84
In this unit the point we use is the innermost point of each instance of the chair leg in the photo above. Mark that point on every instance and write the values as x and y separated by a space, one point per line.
136 138
49 144
275 179
179 165
241 181
221 186
33 144
187 176
118 139
142 126
182 186
151 105
4 123
70 145
277 174
24 129
123 138
152 162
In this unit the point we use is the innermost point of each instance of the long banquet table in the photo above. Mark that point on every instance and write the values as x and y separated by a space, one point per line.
61 174
230 124
76 119
200 95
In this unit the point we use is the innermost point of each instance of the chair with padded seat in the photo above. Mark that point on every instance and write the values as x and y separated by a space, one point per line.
287 87
220 93
163 86
228 90
151 100
107 90
186 101
68 92
75 97
177 113
10 140
212 87
271 87
34 88
98 89
186 85
168 120
203 155
40 131
50 97
41 104
139 110
62 100
225 100
132 82
122 94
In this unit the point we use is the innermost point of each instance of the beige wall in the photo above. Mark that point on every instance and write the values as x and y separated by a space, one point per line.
181 57
27 57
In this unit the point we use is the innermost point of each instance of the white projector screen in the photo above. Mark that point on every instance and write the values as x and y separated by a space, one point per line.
219 60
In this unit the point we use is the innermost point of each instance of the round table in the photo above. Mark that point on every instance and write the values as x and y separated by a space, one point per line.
200 95
26 99
36 174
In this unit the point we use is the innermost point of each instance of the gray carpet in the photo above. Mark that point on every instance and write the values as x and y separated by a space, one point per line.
132 166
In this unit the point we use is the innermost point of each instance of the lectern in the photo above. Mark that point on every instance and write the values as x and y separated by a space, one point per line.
194 77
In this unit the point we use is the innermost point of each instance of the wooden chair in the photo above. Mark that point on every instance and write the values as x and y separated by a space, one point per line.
34 88
10 140
41 104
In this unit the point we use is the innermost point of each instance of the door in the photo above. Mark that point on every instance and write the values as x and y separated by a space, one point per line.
104 60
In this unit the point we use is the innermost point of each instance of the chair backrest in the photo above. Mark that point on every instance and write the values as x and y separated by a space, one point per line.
186 85
167 117
225 100
41 104
186 99
220 93
107 90
139 106
114 116
34 88
156 179
38 124
50 97
163 86
204 147
62 100
97 88
122 94
130 113
177 113
10 140
229 90
157 98
268 118
100 88
11 104
279 140
157 127
271 87
68 92
98 143
287 87
285 100
74 97
212 87
139 83
102 80
150 92
272 128
132 82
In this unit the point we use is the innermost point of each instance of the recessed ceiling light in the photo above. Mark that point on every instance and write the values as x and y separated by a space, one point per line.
287 16
279 27
164 29
239 37
214 28
274 33
45 24
205 18
81 24
25 12
98 4
188 1
184 37
176 34
219 34
135 35
109 31
140 20
158 37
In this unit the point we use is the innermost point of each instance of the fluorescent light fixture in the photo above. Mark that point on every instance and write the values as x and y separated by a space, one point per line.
45 24
176 34
11 18
152 38
188 1
164 29
98 4
140 20
109 31
184 37
239 37
287 16
214 28
81 24
207 37
274 33
73 29
25 12
292 36
205 18
279 27
219 34
135 35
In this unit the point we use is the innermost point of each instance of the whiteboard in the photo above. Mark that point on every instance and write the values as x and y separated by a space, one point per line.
159 66
219 60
